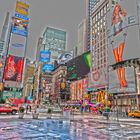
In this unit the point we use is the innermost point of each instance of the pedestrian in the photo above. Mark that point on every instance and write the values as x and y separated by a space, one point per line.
26 109
30 108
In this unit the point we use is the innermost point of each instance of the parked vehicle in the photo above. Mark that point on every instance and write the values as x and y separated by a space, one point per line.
135 113
8 108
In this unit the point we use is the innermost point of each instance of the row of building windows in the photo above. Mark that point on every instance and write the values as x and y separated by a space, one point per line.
101 13
99 67
99 38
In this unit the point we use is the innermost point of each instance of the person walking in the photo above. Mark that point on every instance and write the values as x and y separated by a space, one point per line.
26 108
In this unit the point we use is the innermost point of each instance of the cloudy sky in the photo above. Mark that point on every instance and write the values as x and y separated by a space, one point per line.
63 14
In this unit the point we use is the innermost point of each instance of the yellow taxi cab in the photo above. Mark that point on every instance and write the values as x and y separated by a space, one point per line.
135 113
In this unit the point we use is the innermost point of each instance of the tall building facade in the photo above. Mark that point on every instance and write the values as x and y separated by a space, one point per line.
16 50
54 40
111 44
90 5
81 38
4 34
28 79
99 47
3 44
39 46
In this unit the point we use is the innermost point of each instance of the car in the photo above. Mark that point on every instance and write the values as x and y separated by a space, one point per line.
8 108
135 113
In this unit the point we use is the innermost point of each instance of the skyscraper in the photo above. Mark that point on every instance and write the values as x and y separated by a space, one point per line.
4 34
99 47
54 40
81 37
4 44
90 5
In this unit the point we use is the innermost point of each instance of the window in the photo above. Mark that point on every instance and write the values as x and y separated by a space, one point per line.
99 15
104 9
101 12
107 7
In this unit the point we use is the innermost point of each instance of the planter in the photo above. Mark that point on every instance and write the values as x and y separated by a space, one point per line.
35 115
21 115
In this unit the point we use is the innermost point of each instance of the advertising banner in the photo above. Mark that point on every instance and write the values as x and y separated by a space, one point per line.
20 20
47 67
114 83
65 57
22 8
45 56
17 45
99 78
74 66
11 94
123 38
14 68
19 28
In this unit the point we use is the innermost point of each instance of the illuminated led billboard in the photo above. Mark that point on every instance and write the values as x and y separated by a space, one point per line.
47 67
79 67
45 56
22 8
14 68
17 45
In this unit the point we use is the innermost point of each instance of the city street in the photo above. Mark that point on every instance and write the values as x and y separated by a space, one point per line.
69 70
85 127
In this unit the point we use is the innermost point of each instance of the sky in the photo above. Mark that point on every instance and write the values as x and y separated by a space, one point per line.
62 14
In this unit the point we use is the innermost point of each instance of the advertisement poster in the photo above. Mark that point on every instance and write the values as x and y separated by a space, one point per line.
20 24
124 38
65 57
14 68
114 83
47 67
17 45
45 56
21 20
22 8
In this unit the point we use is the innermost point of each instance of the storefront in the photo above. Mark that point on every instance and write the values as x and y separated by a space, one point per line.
127 102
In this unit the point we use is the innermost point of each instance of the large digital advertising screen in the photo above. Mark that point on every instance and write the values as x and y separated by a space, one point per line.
17 45
47 67
22 8
79 67
14 68
123 39
45 56
21 20
20 24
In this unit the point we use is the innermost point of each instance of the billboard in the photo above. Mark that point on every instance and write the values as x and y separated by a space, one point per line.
11 94
14 68
114 83
20 20
75 65
20 25
98 78
65 57
17 45
47 67
45 56
123 36
22 8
